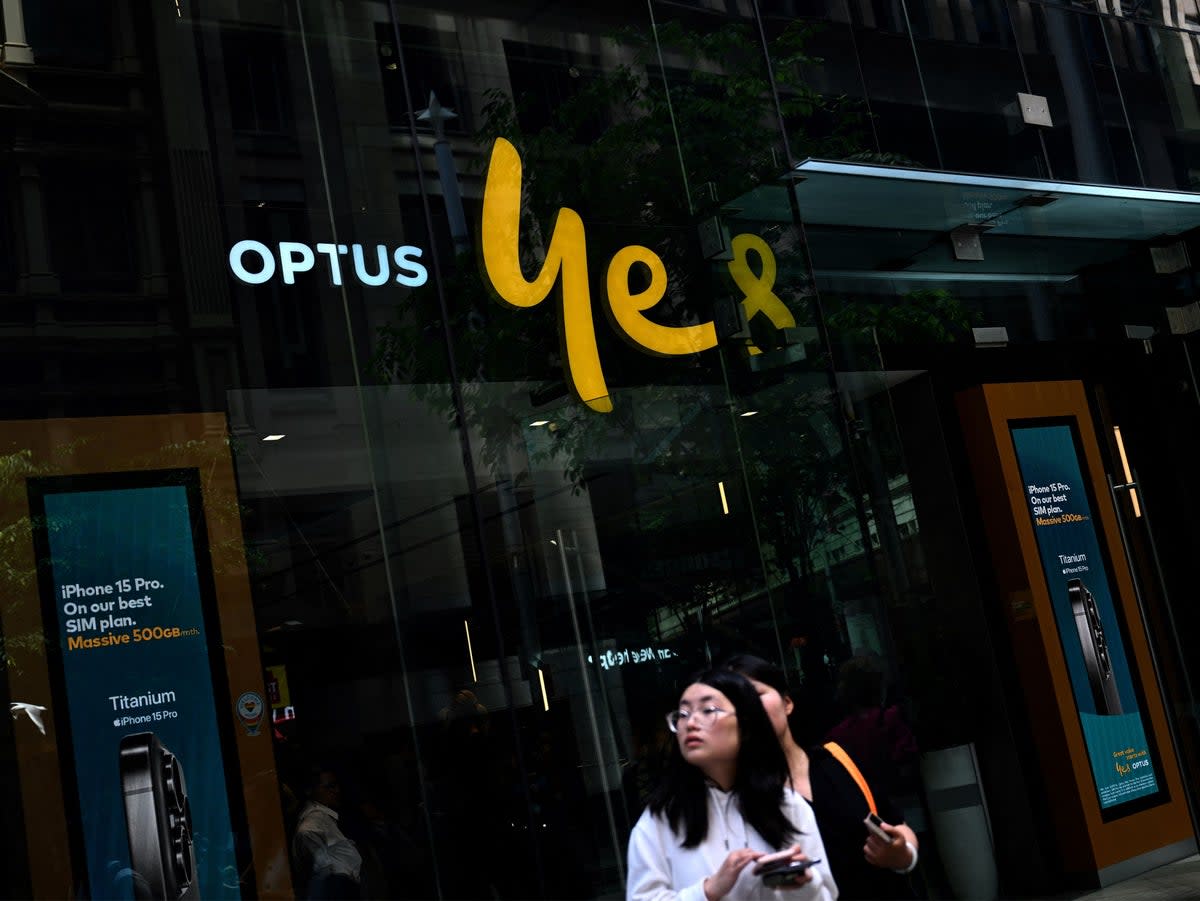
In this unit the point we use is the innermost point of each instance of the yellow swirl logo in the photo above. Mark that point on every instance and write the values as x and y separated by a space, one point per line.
566 263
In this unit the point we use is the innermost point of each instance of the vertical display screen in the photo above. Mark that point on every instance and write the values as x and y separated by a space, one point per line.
124 608
1077 576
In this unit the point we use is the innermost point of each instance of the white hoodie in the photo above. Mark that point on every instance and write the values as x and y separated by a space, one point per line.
661 869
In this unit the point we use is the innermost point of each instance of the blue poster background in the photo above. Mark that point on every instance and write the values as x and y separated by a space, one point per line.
1057 502
98 538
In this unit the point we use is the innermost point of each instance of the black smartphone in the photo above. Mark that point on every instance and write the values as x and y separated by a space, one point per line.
1095 649
784 872
158 820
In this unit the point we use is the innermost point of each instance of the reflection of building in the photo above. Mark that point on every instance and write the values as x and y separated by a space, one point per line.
565 568
91 309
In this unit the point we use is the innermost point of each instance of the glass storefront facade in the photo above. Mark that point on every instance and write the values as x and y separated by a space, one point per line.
480 370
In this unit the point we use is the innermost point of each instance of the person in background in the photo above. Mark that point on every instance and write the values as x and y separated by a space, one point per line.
874 732
864 865
327 863
722 805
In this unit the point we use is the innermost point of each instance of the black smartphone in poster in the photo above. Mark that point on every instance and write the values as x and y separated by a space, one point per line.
158 820
1095 649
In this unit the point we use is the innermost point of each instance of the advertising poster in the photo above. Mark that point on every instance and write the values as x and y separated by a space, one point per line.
1078 580
122 589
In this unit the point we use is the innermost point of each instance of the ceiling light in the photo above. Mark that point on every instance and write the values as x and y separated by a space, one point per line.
274 438
921 275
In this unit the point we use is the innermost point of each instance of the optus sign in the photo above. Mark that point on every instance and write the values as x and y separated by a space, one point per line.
371 267
566 260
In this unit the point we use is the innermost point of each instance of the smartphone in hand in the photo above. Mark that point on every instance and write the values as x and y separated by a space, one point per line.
784 872
875 826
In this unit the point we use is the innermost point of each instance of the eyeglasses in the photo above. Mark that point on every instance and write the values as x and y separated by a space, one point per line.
704 717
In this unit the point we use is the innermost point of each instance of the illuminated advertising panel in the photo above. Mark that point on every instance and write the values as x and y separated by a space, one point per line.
124 572
1077 576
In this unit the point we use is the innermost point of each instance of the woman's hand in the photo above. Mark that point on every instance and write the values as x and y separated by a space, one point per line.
790 855
892 854
720 883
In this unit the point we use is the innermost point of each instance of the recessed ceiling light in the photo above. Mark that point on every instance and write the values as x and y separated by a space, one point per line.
540 422
750 413
274 438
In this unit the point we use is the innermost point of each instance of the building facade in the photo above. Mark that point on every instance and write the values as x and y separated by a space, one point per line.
413 395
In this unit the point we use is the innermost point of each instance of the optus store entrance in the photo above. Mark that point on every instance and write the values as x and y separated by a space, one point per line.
1063 549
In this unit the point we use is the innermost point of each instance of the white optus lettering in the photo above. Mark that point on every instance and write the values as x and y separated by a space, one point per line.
411 272
335 265
360 268
294 258
372 265
239 251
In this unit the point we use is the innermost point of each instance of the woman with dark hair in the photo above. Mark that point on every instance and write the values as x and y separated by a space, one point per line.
864 865
722 806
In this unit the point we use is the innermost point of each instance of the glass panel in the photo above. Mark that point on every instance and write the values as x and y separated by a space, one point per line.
1159 77
977 120
460 533
1070 62
364 607
849 84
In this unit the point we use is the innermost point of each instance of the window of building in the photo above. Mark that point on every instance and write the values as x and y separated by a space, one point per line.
257 78
93 236
65 33
8 260
289 315
433 66
543 80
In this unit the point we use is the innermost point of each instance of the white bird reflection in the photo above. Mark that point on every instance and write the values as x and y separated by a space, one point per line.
33 711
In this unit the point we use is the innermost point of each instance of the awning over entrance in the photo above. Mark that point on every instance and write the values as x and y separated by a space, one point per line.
869 221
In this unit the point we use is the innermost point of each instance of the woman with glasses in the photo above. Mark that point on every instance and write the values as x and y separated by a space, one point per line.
721 806
867 867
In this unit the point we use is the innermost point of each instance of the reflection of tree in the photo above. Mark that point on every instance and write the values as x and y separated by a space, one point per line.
643 152
223 512
18 566
918 317
18 581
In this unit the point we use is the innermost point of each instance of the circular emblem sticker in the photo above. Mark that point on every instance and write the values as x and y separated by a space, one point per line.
250 710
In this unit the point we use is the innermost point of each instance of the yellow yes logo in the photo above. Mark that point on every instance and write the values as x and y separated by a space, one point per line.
566 260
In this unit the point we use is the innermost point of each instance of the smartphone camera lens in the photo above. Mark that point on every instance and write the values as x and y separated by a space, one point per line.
173 782
179 820
181 844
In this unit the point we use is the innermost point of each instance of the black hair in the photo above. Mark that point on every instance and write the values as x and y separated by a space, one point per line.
311 780
762 770
812 712
759 670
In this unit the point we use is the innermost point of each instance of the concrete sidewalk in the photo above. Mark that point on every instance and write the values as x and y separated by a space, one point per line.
1177 880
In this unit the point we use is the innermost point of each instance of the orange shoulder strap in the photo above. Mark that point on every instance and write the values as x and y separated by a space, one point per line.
844 759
